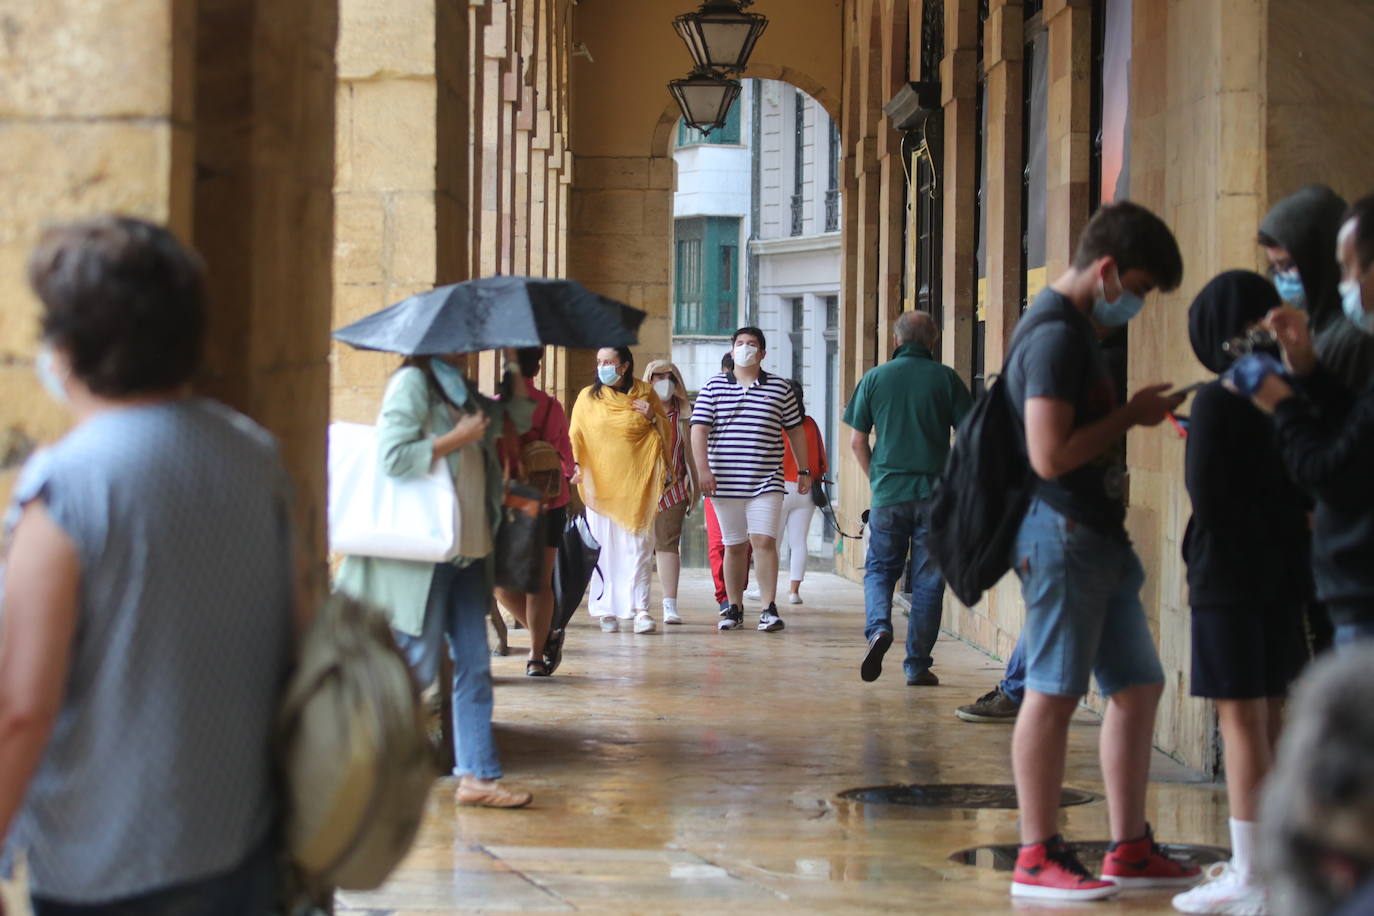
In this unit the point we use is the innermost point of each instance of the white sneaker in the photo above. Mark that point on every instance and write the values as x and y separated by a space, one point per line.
610 625
793 598
1226 891
644 623
753 592
671 617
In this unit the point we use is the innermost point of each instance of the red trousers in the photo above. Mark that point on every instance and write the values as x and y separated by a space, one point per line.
716 551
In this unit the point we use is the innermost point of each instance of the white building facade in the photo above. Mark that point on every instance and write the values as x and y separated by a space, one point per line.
757 242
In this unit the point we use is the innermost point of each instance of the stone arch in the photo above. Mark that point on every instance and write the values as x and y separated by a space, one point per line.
662 145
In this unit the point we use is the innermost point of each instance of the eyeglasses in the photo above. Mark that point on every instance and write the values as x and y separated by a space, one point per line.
1254 338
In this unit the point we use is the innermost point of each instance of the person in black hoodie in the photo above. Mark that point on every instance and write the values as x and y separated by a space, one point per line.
1327 437
1298 235
1248 578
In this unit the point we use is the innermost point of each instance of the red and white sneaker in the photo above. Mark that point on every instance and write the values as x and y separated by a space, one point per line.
1141 863
1051 871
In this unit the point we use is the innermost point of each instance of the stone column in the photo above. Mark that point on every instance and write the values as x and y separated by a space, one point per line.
396 196
264 131
958 179
1003 50
96 106
1069 113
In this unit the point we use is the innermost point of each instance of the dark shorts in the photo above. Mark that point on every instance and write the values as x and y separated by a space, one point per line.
1246 652
555 521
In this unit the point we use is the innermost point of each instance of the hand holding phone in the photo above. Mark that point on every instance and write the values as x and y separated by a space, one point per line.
1185 391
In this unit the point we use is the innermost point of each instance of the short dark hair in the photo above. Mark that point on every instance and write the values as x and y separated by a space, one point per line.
126 301
1362 212
763 341
1265 240
529 359
1136 239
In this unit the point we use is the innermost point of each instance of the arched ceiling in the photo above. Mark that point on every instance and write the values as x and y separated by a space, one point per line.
619 100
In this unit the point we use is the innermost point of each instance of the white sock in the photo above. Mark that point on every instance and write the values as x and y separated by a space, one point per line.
1243 836
670 605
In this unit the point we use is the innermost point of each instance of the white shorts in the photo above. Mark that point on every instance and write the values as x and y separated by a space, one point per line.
739 518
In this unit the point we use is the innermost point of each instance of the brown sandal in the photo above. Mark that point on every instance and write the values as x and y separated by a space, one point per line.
494 797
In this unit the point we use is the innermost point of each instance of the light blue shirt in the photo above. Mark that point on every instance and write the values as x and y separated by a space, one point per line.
159 767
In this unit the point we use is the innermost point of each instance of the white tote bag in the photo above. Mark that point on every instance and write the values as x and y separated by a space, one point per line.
372 514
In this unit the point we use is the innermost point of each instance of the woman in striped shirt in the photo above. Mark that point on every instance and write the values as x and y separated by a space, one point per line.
681 497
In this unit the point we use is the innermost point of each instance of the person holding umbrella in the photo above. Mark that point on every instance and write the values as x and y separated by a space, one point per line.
432 410
619 438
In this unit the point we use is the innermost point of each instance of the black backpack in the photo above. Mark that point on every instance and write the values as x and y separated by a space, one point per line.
982 495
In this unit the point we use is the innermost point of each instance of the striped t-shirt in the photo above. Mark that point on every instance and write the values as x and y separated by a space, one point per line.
744 445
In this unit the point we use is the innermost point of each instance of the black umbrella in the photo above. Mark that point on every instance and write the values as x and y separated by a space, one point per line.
493 313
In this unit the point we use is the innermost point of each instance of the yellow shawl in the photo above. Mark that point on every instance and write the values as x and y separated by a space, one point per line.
623 456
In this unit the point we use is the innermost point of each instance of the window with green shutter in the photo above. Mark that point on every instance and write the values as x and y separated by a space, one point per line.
706 284
724 136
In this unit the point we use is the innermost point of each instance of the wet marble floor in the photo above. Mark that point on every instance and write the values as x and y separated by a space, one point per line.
691 771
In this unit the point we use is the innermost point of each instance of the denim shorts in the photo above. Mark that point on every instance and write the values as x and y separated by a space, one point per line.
1083 610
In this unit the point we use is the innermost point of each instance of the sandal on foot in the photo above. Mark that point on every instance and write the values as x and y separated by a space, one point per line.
536 668
494 797
553 649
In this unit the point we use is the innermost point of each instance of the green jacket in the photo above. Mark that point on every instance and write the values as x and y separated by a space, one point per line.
412 415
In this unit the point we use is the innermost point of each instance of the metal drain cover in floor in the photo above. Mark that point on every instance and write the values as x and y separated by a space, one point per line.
1090 853
953 795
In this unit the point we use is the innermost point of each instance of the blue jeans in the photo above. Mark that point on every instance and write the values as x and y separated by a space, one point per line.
1083 610
1014 681
457 610
250 889
894 533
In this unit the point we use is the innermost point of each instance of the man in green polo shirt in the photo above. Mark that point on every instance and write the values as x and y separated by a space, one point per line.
912 403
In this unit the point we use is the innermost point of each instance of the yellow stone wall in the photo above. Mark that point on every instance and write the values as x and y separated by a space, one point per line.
212 116
81 135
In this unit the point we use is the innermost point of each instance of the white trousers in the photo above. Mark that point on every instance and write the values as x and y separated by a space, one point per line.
794 526
626 563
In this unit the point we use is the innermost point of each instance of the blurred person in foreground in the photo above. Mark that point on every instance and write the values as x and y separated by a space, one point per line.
146 628
1317 840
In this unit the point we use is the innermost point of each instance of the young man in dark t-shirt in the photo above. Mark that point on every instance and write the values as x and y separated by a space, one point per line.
1080 577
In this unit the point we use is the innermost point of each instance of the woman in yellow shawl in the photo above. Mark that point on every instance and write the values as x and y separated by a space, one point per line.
619 433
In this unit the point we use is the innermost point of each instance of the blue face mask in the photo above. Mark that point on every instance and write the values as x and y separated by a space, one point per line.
1289 285
607 374
451 381
1117 313
1353 303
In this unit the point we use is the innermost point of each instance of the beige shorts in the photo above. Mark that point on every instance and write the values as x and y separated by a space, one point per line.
668 528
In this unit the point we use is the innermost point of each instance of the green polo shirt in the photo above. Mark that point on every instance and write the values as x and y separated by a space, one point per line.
913 402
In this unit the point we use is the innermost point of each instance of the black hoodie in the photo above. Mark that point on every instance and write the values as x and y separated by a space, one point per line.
1305 223
1247 540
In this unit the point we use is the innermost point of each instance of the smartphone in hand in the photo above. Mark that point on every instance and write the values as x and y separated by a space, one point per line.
1185 391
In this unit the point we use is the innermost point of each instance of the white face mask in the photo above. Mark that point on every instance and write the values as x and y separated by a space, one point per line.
746 355
663 388
54 383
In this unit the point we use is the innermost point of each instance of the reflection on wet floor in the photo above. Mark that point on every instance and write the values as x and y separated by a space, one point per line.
693 771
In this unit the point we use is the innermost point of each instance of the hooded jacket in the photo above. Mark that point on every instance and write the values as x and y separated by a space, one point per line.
1305 223
1247 540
